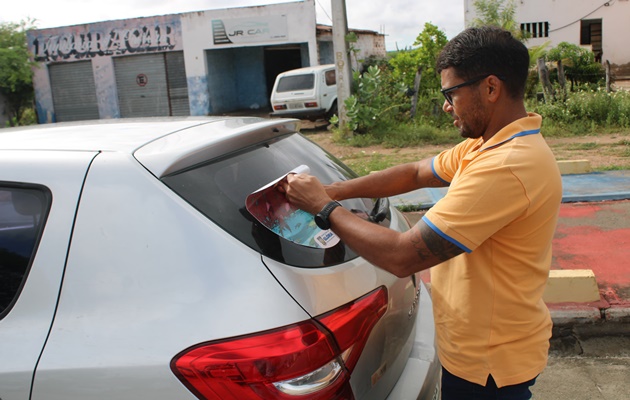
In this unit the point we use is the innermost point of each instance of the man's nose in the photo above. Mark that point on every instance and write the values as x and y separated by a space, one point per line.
447 107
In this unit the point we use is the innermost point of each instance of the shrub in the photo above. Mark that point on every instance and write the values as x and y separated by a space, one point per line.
377 100
586 111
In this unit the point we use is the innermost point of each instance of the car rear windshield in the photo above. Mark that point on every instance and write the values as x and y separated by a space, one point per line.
296 82
220 187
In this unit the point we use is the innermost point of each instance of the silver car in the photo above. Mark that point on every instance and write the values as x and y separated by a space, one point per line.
130 268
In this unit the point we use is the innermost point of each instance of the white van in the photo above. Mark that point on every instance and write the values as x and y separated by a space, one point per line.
307 93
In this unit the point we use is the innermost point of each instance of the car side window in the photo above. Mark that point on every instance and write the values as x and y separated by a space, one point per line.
23 210
331 78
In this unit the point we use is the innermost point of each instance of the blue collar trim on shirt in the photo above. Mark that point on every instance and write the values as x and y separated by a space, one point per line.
523 133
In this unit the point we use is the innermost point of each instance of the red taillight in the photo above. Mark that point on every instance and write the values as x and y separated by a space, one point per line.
312 104
351 324
279 107
298 361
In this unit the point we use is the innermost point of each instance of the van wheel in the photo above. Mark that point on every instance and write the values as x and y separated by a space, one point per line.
333 110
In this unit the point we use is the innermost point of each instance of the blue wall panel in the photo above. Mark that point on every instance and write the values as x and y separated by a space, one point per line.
236 79
198 98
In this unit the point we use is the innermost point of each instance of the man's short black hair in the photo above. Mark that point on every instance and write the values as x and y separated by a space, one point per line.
487 50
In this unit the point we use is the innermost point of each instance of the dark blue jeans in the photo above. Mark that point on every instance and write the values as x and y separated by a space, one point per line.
454 388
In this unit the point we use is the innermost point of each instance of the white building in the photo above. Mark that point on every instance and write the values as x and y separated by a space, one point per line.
195 63
602 26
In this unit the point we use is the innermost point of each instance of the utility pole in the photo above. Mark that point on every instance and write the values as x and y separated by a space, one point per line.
342 61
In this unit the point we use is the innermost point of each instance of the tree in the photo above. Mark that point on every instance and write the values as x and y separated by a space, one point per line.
579 64
430 42
496 13
16 76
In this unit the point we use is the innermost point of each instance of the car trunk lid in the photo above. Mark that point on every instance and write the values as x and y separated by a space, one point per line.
321 290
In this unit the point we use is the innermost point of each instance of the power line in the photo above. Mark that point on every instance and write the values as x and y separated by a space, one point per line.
606 4
324 10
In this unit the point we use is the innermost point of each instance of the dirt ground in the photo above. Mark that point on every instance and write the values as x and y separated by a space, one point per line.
605 151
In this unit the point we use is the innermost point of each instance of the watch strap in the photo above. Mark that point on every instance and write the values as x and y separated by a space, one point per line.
321 219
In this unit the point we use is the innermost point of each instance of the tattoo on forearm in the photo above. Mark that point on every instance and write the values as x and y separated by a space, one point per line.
429 244
418 243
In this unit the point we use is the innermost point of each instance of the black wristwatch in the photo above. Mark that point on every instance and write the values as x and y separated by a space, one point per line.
321 219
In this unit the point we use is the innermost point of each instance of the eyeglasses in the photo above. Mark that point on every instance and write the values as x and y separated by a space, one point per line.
447 92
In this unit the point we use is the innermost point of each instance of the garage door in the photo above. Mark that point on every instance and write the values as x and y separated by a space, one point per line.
177 83
152 85
73 91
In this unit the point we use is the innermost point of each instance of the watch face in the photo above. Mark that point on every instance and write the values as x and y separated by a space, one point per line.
321 222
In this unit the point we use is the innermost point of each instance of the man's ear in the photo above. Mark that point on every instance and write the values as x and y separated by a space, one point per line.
495 87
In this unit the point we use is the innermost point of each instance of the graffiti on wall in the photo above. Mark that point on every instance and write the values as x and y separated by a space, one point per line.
94 42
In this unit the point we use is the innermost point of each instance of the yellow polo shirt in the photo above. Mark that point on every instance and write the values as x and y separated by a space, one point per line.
501 208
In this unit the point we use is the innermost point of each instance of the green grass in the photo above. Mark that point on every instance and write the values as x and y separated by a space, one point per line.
583 146
363 163
401 134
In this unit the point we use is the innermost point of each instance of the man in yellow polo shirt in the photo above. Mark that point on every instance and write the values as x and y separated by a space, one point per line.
491 233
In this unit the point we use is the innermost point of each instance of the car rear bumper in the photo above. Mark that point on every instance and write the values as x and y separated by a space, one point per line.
421 376
300 113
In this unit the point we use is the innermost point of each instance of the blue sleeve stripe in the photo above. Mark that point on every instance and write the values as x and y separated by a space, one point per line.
445 236
436 174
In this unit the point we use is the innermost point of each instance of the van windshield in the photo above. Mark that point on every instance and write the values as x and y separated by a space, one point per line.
296 82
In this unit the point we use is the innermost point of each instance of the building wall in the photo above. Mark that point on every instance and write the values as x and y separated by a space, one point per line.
565 16
249 27
223 53
368 44
98 42
231 57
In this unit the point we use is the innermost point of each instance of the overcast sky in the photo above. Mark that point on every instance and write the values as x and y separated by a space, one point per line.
400 20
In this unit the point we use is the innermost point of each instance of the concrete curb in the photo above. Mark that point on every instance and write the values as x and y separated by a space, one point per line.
583 315
571 285
595 313
570 167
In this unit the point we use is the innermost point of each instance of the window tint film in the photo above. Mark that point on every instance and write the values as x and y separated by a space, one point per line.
22 214
296 82
219 189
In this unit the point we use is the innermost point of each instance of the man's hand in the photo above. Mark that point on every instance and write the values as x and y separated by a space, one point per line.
305 192
401 253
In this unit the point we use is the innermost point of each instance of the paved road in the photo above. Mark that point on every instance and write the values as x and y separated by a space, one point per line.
593 367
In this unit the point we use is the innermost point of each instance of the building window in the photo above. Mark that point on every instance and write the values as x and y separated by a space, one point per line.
591 33
535 29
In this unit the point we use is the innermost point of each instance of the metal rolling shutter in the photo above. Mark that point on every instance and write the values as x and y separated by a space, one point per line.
177 84
73 91
141 84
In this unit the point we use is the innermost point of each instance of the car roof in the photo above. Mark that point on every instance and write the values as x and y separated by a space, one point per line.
307 70
163 145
